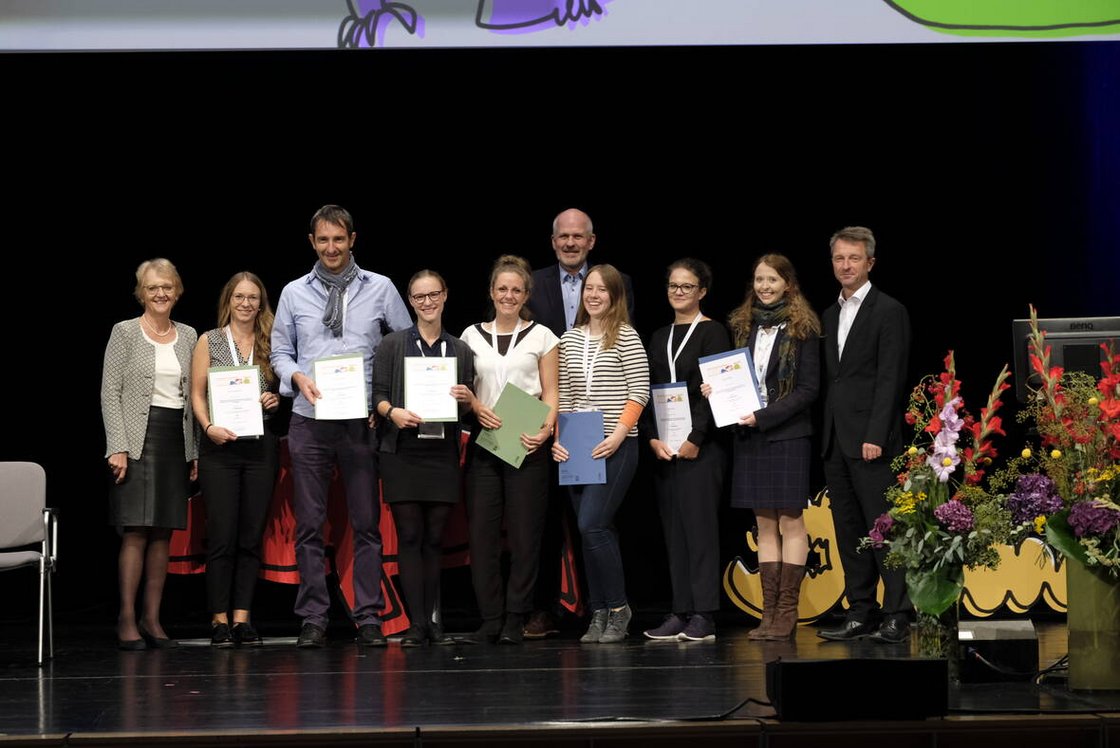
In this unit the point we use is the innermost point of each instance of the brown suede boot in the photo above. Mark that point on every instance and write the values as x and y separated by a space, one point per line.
770 573
789 594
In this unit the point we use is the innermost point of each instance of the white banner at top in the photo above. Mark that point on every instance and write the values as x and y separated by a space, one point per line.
27 25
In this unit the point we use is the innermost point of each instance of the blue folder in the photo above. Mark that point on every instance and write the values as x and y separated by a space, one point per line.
579 433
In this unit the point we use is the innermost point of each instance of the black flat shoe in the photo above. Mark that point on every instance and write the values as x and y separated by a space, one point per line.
220 636
158 642
245 635
414 637
131 645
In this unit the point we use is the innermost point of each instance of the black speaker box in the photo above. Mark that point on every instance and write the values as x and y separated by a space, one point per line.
871 689
994 651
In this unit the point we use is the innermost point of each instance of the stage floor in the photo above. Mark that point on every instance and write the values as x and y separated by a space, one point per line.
552 691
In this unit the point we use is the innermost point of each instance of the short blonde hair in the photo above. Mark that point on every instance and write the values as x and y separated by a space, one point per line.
159 266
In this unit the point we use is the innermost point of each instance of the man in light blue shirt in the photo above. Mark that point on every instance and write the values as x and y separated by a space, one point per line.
336 309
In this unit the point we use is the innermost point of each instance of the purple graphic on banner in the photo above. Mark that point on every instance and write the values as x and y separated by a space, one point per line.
368 20
529 15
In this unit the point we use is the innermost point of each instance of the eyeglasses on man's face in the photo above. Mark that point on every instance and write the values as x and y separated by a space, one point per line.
682 288
419 298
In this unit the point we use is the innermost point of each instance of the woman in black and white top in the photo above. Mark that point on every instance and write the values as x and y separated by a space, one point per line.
236 475
510 349
603 367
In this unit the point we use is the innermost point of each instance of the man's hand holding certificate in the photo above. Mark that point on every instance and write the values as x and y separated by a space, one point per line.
734 389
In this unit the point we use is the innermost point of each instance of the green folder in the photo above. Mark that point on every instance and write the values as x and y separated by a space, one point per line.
521 413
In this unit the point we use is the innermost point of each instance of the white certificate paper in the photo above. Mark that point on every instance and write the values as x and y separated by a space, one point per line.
427 387
234 393
734 389
674 417
341 381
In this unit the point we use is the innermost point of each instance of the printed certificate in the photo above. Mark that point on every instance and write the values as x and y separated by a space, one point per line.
234 394
734 388
341 381
427 387
672 412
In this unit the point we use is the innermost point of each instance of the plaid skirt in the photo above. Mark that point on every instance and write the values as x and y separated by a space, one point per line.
769 475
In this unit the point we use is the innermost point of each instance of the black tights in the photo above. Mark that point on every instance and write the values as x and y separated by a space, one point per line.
420 556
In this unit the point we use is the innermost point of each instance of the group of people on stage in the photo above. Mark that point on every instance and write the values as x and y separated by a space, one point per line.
564 335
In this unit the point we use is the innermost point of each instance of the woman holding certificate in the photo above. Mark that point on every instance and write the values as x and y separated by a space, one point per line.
603 374
233 390
771 446
421 387
691 459
509 350
151 446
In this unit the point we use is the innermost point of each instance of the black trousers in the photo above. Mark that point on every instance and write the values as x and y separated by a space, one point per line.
688 495
857 492
237 480
498 495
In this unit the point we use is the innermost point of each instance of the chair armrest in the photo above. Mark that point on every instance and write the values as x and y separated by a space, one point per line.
50 536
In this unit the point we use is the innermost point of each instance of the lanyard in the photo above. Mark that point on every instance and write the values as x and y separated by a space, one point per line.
500 366
669 346
233 349
442 348
589 360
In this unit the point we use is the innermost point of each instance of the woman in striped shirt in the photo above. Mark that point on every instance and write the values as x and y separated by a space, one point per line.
603 366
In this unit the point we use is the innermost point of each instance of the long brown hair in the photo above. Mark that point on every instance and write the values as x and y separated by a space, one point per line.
617 315
803 321
262 325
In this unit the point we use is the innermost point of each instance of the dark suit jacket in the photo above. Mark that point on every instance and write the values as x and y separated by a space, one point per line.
867 390
791 416
547 301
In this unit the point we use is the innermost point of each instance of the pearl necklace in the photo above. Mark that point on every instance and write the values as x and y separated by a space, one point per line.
152 329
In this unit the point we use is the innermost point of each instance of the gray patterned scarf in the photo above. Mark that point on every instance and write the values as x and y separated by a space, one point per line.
336 284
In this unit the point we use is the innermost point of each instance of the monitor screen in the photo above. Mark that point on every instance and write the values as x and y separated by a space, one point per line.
1075 345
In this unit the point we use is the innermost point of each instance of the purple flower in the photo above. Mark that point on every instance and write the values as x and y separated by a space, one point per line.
939 457
949 418
955 516
1090 518
1035 496
880 530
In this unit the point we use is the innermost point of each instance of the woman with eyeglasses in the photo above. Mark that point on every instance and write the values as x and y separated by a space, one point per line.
510 349
691 459
151 446
237 471
419 460
603 367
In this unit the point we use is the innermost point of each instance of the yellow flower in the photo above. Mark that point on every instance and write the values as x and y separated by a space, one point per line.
1056 454
1026 453
1040 524
912 451
1093 401
905 503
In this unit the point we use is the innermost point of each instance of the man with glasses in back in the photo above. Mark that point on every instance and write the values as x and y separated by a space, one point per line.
554 302
338 309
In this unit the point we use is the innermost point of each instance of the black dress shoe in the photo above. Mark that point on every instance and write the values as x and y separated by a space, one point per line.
414 637
131 645
311 637
513 630
848 631
220 636
487 633
369 635
157 642
892 631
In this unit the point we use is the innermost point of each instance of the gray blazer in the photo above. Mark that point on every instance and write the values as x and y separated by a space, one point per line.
127 383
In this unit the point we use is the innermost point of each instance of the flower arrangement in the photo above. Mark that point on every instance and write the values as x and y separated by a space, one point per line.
1069 489
942 518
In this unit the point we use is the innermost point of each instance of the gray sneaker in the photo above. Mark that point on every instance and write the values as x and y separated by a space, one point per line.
595 630
618 623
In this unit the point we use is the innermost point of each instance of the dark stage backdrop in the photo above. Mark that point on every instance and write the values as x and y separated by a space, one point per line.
989 173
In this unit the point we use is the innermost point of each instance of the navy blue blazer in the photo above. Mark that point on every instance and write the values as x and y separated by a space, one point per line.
547 301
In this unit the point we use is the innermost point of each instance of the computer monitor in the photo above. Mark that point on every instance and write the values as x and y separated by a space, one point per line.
1075 345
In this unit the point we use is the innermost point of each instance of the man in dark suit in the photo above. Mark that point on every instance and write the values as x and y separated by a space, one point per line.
867 348
554 303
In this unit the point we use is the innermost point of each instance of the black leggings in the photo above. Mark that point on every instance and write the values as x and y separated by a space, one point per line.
420 556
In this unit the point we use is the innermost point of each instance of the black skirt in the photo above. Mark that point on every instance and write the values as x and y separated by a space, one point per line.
421 469
769 475
156 487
